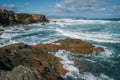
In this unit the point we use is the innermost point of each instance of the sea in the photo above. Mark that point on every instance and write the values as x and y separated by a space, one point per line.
101 33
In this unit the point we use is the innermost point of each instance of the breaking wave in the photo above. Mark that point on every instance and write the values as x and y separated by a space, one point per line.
74 73
97 37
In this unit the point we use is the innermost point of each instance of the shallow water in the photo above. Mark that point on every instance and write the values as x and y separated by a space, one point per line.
105 66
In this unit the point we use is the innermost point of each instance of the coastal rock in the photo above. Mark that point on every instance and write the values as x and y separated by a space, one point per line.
6 17
28 73
32 62
99 49
39 18
47 66
10 18
23 18
1 30
75 46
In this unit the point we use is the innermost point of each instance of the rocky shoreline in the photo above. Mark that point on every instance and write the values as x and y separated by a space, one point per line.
20 61
33 62
10 18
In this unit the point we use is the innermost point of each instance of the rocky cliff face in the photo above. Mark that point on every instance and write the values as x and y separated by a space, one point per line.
10 18
7 17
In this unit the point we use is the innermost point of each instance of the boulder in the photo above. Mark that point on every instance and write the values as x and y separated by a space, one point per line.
1 30
28 73
35 64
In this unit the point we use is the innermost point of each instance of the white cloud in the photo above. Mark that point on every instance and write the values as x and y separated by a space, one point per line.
80 5
14 7
89 8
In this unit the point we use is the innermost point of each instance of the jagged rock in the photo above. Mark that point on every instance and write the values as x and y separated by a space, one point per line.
25 62
27 73
47 66
23 18
99 49
39 18
75 46
8 18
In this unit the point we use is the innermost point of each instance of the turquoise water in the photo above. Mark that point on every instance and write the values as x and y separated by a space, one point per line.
103 33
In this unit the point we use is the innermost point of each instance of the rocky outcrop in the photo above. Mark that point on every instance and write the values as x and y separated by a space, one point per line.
24 62
28 73
39 18
32 62
75 46
8 18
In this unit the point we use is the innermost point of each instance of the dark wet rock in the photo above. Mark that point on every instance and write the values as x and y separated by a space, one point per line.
75 46
1 44
54 21
7 17
10 18
1 30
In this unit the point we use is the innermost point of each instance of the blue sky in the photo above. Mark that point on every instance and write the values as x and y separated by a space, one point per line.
80 8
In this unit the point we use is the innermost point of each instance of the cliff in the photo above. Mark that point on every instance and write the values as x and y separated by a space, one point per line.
8 18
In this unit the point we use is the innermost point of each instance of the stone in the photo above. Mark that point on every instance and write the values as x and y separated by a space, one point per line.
75 46
10 18
99 49
1 30
32 62
30 59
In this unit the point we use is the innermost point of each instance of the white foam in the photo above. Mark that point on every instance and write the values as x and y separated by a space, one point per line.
35 24
107 54
67 63
90 76
74 71
90 60
68 21
6 35
97 37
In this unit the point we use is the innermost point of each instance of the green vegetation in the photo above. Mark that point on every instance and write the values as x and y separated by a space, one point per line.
23 16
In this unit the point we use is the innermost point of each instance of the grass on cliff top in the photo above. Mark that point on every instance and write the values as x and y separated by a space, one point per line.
23 16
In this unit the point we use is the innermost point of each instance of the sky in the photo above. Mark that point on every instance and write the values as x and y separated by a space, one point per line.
76 8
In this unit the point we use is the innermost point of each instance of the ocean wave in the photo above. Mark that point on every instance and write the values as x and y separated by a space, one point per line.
68 21
97 37
74 73
90 76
